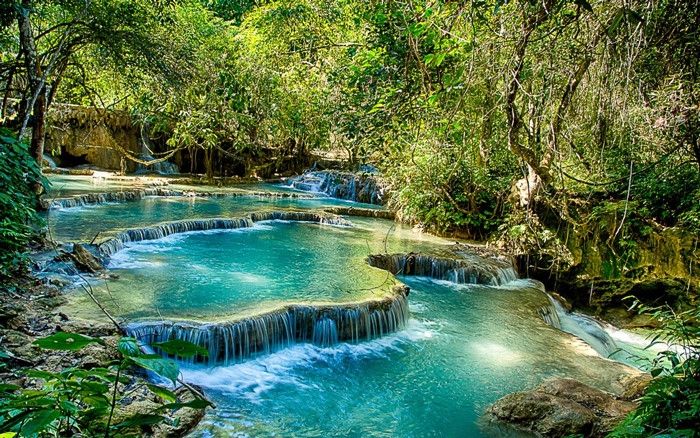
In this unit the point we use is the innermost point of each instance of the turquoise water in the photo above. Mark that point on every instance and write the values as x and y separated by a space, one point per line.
223 275
464 347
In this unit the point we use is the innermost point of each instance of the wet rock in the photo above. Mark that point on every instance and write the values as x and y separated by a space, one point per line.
85 260
9 311
561 407
635 386
185 419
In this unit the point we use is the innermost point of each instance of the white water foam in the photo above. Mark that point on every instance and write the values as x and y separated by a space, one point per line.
252 378
128 257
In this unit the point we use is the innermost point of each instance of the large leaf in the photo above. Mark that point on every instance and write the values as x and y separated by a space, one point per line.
39 421
183 349
129 347
197 403
139 420
65 341
163 393
159 365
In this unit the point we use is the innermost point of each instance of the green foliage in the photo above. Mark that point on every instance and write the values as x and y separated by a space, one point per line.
83 401
670 406
18 173
670 194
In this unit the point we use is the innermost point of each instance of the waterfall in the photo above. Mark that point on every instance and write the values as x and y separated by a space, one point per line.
162 168
138 194
230 342
103 198
49 161
358 187
325 332
469 268
584 327
116 244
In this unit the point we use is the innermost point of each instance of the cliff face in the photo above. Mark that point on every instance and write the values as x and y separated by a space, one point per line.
660 267
84 135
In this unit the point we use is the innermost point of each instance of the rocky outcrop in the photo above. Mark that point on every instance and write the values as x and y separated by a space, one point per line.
85 260
86 135
358 187
560 407
460 268
599 269
363 212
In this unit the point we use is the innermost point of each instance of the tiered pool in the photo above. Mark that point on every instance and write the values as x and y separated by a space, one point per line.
429 372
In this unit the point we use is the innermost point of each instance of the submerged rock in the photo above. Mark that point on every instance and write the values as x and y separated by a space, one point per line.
561 407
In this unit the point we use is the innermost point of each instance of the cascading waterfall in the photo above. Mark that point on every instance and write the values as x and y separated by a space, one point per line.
469 269
581 326
116 244
161 168
358 187
230 342
138 194
103 198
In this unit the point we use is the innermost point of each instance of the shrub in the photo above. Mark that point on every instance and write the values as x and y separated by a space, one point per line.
18 173
670 406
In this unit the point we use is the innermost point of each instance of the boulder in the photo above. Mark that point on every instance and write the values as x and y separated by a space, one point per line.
85 260
561 407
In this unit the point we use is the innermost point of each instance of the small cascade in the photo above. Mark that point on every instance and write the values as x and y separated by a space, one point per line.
49 161
161 168
325 333
300 216
358 187
104 198
138 194
116 244
584 327
469 269
231 342
550 316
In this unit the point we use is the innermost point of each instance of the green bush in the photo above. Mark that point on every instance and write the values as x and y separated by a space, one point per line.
18 172
670 406
83 402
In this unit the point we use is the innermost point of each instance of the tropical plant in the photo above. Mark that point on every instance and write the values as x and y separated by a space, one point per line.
18 199
670 406
85 401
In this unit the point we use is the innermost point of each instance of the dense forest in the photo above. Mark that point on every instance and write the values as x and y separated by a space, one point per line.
553 129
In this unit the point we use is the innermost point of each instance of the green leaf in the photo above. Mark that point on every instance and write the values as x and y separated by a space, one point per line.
197 403
159 365
139 420
128 347
65 341
183 349
39 421
163 393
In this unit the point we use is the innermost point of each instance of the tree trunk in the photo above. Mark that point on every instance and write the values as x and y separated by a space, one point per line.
39 127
